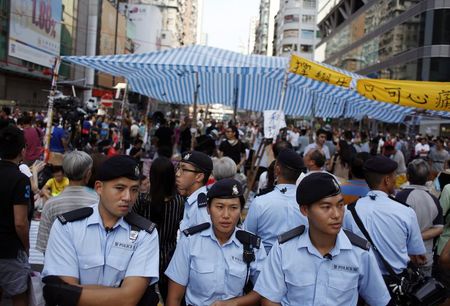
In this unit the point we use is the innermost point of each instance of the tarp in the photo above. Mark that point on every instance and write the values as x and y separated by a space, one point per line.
254 82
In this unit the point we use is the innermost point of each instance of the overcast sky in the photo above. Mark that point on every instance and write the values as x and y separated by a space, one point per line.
227 22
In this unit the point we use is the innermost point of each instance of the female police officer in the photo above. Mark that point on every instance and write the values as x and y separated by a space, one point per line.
213 263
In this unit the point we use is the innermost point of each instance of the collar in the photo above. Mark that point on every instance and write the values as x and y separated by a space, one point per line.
286 188
210 233
342 243
95 218
193 197
377 193
418 187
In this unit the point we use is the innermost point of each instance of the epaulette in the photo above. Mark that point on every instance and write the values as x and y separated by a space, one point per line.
75 215
248 238
296 231
196 229
265 191
138 222
357 241
202 200
396 200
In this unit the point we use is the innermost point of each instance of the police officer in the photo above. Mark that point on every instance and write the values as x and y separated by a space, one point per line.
321 264
103 255
392 226
192 174
277 211
213 264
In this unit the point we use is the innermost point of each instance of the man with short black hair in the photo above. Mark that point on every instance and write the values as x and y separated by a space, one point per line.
321 137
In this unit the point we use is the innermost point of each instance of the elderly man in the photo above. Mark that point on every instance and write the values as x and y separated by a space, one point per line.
426 206
77 166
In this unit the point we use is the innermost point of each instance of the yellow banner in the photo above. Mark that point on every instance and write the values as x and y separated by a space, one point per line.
299 65
426 95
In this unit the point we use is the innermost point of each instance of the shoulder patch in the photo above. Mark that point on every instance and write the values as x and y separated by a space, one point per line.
296 231
248 238
396 200
74 215
196 229
202 200
357 241
140 222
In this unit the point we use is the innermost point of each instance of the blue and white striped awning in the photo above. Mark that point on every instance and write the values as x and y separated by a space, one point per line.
254 82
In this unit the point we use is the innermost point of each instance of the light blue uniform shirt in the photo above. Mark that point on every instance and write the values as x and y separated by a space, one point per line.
84 250
273 214
295 273
392 226
193 214
210 271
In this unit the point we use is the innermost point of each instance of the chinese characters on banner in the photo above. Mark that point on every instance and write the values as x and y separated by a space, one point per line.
299 65
426 95
273 122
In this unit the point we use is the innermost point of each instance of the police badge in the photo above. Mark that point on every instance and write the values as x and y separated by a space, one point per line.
235 190
186 157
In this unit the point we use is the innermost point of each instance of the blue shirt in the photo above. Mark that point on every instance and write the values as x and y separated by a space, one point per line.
392 226
274 213
58 134
295 273
210 271
193 214
84 250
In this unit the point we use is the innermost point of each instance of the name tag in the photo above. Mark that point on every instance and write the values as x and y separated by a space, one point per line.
238 260
125 246
344 268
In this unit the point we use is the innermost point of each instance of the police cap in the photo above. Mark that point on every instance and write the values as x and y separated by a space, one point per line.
119 166
199 160
290 159
380 164
316 186
226 189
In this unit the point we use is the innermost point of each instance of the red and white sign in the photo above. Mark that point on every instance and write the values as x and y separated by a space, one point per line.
107 100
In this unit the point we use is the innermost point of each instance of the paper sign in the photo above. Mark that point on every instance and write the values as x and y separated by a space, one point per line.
273 122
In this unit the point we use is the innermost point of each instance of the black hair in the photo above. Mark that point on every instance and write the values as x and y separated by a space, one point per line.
318 157
138 141
235 131
165 151
348 135
56 169
289 174
12 141
345 153
6 110
357 165
321 131
280 146
373 179
162 185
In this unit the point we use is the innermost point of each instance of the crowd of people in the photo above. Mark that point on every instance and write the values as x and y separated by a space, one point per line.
138 211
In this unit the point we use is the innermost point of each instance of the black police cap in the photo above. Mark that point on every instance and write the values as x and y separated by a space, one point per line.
290 159
226 189
380 164
316 186
119 166
199 160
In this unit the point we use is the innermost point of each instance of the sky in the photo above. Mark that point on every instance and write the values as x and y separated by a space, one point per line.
227 22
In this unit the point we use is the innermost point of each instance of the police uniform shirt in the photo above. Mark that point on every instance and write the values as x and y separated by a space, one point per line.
85 250
392 226
295 273
210 271
193 214
274 213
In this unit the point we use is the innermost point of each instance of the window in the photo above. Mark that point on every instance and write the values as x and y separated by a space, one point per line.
306 48
287 48
290 33
307 34
309 4
291 18
308 18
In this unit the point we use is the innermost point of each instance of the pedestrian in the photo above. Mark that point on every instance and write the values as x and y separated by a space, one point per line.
232 147
356 187
192 174
340 162
213 264
321 264
104 255
321 137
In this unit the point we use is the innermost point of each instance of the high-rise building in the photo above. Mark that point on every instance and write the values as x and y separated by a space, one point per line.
265 31
394 39
296 29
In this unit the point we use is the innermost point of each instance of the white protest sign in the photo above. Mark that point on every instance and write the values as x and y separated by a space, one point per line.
273 122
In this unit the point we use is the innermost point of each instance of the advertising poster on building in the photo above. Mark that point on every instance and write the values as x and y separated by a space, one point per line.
35 30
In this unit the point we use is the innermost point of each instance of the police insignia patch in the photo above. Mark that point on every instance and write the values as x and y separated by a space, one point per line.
186 157
136 171
235 190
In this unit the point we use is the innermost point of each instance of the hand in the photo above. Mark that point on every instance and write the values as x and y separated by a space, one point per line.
37 166
224 303
419 260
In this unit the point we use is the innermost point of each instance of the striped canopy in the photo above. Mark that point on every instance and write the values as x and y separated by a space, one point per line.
254 82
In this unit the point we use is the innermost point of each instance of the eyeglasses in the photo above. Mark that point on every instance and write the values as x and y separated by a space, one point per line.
182 170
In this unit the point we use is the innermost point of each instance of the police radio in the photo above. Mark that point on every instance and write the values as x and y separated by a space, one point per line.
249 241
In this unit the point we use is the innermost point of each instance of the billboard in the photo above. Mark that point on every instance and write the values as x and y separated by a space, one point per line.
35 30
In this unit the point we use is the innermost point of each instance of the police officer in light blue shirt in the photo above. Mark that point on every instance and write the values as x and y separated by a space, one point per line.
321 264
104 245
214 263
192 174
276 212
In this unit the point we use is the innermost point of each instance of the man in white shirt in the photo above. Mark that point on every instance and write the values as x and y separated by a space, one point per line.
422 148
321 137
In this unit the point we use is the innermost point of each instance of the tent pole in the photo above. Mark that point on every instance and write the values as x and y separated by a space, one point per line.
283 90
235 102
122 110
51 98
194 117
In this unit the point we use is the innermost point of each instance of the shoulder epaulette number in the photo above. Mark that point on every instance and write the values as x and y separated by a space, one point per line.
396 200
357 241
202 200
196 229
140 222
296 231
75 215
248 238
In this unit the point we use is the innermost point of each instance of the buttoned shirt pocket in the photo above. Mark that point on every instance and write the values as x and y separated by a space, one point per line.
202 279
300 288
91 268
236 279
343 287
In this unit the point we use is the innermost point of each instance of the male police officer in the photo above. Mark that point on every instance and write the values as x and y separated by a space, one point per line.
276 212
103 255
192 174
214 261
321 264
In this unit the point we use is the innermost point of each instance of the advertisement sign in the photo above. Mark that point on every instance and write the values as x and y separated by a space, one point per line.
273 122
35 30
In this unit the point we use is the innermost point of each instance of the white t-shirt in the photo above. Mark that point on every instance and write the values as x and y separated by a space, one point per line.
293 138
313 146
422 149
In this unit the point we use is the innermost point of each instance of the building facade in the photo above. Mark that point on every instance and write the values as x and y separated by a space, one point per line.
394 39
265 30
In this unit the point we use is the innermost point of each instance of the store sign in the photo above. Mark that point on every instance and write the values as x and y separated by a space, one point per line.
35 30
